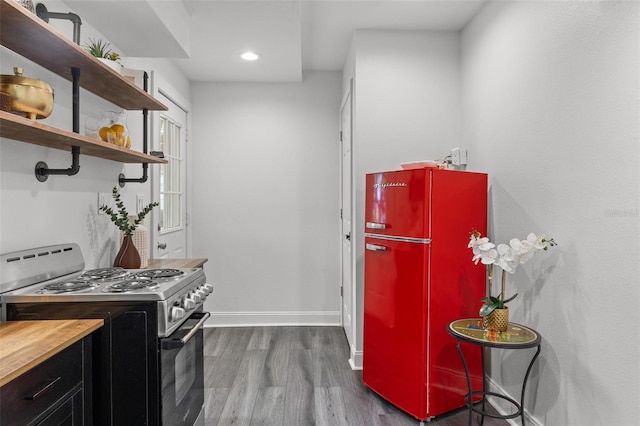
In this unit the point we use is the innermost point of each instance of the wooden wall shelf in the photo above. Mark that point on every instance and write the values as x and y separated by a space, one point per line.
29 36
22 129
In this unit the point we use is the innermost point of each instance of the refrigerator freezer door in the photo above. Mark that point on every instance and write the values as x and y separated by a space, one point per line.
395 311
397 202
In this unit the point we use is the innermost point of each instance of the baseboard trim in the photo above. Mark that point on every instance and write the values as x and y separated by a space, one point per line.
274 318
355 361
503 407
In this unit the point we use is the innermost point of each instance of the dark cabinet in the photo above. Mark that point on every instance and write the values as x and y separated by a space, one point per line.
69 413
125 380
55 392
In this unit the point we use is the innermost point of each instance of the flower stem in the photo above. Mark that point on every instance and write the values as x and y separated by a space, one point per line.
490 277
504 283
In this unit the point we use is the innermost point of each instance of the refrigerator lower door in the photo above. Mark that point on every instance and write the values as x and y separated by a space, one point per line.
395 323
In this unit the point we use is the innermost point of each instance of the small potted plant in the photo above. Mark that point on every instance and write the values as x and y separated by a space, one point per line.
507 256
102 50
128 256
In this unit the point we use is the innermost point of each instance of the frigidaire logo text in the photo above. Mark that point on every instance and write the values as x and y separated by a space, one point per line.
388 184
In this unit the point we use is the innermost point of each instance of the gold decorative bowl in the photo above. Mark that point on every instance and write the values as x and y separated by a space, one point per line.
5 101
29 96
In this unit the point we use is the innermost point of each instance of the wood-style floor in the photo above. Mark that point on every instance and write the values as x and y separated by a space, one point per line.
294 376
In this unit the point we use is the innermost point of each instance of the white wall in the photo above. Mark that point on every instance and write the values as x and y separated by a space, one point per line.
406 108
265 210
64 209
550 97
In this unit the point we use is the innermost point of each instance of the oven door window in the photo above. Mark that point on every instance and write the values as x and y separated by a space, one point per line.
182 372
185 368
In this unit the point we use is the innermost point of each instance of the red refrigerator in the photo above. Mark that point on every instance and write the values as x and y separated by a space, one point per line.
419 277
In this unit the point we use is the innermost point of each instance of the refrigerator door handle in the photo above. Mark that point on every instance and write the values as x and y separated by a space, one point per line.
375 247
375 225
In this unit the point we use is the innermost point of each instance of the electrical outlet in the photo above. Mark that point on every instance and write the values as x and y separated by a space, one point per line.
104 199
455 156
139 203
463 157
458 156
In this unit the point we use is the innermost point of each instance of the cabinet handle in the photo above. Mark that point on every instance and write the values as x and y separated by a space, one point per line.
375 225
48 385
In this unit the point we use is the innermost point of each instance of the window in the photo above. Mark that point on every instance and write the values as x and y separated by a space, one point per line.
170 175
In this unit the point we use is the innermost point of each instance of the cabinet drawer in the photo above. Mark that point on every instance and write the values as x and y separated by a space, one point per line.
27 397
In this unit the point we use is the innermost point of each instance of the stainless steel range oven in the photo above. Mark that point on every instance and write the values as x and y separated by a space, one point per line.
147 358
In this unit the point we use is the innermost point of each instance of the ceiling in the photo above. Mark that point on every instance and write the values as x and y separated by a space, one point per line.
205 37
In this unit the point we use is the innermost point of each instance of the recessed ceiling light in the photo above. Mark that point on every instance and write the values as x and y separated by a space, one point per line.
250 56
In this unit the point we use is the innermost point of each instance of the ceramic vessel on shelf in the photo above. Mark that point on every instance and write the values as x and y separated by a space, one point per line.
128 256
114 65
5 102
29 96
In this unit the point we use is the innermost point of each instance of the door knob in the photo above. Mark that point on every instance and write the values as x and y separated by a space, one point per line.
162 246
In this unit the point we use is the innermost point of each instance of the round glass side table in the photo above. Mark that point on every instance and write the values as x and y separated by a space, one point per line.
517 336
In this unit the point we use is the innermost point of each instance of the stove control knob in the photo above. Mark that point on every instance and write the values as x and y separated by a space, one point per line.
207 288
195 296
200 293
176 313
188 303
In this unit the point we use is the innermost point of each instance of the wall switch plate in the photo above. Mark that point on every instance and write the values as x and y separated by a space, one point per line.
458 156
139 203
104 199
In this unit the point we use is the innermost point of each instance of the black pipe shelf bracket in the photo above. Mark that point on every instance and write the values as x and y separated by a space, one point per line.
45 15
122 179
42 169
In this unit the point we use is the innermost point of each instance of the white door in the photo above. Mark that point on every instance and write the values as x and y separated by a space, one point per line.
170 181
348 296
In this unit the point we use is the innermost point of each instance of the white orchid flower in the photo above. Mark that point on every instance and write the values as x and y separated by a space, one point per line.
538 242
489 257
507 256
514 243
478 242
486 253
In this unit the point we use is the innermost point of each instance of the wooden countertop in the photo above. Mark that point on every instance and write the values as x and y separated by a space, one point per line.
25 344
176 263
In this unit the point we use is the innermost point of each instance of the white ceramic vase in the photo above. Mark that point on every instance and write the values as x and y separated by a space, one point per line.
111 64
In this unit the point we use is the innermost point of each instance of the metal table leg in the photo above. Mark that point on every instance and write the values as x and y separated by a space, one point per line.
524 383
469 397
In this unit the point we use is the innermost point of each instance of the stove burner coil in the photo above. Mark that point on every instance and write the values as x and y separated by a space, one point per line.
130 284
160 273
68 286
103 274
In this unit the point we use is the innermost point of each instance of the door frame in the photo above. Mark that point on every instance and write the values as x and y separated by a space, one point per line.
159 85
348 96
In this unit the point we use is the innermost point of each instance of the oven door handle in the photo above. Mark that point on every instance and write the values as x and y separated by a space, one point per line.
178 342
